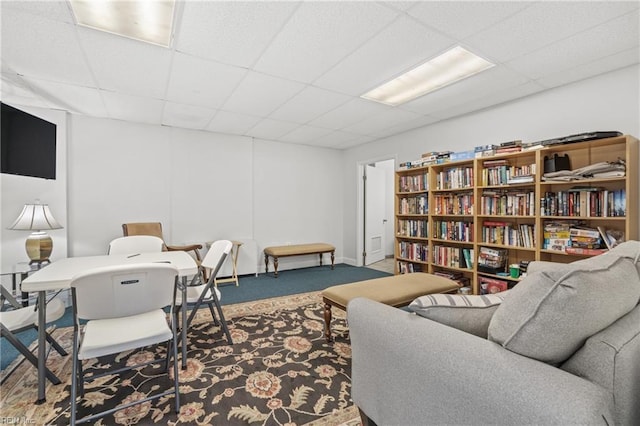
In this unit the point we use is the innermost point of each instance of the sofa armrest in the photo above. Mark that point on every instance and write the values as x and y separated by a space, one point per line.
410 370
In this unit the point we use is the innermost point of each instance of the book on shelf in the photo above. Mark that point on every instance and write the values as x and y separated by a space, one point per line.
586 251
520 179
508 144
509 149
492 285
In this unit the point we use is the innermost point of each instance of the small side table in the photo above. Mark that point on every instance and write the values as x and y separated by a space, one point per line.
234 263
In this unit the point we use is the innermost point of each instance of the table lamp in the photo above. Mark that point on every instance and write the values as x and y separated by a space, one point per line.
38 218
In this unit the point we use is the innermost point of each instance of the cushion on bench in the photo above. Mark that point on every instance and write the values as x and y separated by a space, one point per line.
397 290
298 249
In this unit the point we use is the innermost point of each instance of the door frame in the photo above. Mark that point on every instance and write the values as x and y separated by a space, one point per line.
360 222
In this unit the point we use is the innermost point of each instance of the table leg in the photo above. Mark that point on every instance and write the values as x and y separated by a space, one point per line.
23 295
42 349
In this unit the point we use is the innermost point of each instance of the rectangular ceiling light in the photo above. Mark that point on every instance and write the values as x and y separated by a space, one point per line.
150 21
453 65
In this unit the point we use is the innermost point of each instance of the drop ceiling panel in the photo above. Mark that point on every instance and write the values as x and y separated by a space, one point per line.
310 103
542 24
349 113
107 54
202 82
260 94
335 138
604 40
494 98
69 97
318 35
133 108
466 90
271 129
460 19
231 32
186 116
401 46
305 134
599 66
42 48
232 123
381 121
55 10
403 127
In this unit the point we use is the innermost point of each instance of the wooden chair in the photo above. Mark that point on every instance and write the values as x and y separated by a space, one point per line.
155 229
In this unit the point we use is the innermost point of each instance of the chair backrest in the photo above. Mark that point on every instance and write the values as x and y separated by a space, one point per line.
123 290
136 244
143 228
216 256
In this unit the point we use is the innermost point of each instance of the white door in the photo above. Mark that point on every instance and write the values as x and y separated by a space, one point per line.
374 214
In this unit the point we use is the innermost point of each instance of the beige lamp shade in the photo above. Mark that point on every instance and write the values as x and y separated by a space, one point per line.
37 218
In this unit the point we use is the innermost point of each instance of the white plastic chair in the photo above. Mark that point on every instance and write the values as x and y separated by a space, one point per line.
208 293
24 318
136 244
123 306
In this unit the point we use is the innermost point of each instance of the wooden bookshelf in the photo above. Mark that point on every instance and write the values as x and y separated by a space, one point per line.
445 213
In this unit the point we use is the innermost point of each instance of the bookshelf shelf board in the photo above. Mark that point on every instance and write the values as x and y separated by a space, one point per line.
590 218
502 246
583 182
505 216
466 189
508 185
441 241
499 277
452 268
408 237
404 259
409 193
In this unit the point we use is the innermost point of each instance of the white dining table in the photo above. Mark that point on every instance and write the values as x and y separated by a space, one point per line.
58 276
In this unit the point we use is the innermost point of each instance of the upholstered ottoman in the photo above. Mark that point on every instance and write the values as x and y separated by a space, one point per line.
397 291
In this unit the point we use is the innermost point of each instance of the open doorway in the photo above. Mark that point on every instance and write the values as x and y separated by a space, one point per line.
375 224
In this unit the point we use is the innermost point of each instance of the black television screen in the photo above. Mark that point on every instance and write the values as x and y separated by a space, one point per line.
27 144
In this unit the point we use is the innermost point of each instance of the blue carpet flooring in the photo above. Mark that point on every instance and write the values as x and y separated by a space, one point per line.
251 288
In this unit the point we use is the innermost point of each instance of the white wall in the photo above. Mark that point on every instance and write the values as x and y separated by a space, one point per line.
606 102
202 186
297 198
18 190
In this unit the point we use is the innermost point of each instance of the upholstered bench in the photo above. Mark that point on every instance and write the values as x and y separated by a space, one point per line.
397 291
296 250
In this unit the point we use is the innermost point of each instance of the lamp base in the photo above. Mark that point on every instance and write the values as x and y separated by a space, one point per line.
39 246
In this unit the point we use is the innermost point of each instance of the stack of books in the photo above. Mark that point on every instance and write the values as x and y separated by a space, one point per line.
492 260
509 147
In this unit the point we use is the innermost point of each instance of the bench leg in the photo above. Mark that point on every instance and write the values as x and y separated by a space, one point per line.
275 267
327 322
333 257
320 254
266 263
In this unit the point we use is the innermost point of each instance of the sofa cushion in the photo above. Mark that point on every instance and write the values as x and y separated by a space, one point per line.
467 313
551 312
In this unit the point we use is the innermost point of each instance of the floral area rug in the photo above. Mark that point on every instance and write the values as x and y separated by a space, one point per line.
279 371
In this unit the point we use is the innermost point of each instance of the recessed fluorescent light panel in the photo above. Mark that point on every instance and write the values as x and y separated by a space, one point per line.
454 65
150 21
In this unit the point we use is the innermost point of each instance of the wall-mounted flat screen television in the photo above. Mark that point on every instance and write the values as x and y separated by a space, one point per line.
27 144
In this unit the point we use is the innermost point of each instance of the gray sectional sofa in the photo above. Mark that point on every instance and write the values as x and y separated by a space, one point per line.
563 347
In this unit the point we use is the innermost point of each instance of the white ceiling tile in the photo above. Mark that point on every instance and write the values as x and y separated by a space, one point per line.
318 35
55 10
69 97
186 116
494 98
481 84
542 24
231 32
398 48
133 108
405 126
259 94
16 92
230 122
41 48
614 36
355 142
202 82
400 5
460 19
350 113
335 138
381 121
123 65
599 66
271 129
305 134
310 103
